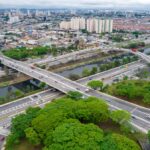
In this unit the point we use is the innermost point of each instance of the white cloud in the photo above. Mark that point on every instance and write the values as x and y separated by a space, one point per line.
71 2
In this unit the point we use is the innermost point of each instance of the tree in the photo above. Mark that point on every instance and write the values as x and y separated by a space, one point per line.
92 110
18 93
146 98
85 72
117 38
120 116
95 84
75 95
94 70
42 85
74 76
11 140
32 136
74 135
125 78
19 124
118 142
149 136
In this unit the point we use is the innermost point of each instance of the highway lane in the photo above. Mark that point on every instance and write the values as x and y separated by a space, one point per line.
105 74
72 55
129 69
5 119
66 85
9 106
65 57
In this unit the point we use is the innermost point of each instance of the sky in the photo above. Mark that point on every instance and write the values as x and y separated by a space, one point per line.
74 3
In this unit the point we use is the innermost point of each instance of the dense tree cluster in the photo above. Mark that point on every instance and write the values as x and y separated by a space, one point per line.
117 38
132 90
68 124
149 136
23 53
135 45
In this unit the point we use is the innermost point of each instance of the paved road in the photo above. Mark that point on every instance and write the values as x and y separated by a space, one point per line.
45 96
66 85
139 54
65 57
74 55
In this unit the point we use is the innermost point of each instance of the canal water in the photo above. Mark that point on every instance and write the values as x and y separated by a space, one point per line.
24 87
147 51
29 85
78 70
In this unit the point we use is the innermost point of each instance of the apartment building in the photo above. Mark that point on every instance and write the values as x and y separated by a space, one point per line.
65 25
91 25
99 25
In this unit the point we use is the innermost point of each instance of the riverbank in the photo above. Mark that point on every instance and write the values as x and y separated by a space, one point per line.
14 80
74 64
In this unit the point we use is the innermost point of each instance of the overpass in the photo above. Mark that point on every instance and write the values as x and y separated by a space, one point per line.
139 115
11 109
4 132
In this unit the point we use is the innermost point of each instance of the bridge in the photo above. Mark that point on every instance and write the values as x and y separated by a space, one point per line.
139 115
4 131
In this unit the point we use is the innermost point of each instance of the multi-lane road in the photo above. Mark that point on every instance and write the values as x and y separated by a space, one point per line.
74 55
140 117
7 111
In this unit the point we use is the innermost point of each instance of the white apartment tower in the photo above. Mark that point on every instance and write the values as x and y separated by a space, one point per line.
91 25
82 23
77 23
99 25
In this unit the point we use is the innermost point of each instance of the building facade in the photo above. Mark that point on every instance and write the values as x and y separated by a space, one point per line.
91 25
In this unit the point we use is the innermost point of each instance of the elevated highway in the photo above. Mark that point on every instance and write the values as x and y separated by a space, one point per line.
140 116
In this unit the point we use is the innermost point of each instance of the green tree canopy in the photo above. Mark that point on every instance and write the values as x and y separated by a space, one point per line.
118 142
149 136
95 84
75 95
73 136
32 136
120 116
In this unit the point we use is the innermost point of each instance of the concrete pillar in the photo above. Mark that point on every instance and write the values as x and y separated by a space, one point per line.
6 69
18 74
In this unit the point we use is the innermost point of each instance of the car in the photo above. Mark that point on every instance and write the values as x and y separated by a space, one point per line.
2 138
87 90
35 96
133 117
116 80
